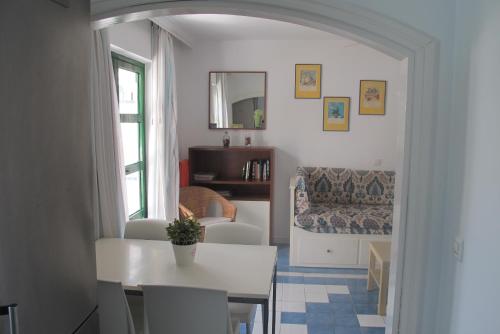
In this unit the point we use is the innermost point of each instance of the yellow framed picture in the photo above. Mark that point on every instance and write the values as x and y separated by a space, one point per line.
307 81
336 112
372 95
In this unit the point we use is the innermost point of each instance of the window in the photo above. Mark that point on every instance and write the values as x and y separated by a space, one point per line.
129 77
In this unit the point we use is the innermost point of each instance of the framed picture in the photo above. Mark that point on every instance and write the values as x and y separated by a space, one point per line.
336 112
307 81
372 95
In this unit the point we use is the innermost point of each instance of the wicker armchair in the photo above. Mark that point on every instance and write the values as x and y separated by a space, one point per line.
195 202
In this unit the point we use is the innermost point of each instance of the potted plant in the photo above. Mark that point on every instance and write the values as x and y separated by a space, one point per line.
184 233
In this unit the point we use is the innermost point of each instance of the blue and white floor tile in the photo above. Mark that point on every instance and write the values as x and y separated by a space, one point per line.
321 301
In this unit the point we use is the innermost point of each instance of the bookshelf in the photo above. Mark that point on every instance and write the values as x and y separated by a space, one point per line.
227 165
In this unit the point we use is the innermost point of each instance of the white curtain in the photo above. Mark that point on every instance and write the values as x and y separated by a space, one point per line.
220 101
163 152
109 178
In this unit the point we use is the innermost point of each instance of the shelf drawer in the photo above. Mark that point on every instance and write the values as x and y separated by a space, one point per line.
321 251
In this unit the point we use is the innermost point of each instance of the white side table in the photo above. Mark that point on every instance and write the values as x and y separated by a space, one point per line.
378 271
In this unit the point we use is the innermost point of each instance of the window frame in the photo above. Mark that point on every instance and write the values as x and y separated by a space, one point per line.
120 61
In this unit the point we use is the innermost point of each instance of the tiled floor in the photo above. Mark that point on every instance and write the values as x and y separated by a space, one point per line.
321 301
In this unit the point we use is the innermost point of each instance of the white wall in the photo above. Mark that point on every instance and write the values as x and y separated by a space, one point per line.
134 38
294 126
476 297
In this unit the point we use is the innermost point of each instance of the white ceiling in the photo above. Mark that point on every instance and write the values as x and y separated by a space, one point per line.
197 27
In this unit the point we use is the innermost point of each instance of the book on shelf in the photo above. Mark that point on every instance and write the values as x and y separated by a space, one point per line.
256 170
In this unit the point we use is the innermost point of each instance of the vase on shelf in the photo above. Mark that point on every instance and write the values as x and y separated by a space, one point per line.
226 140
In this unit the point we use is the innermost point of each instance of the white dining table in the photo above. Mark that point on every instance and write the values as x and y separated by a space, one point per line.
246 272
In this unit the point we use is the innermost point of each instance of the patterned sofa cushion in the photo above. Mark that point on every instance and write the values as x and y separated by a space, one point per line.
373 187
329 185
339 200
347 219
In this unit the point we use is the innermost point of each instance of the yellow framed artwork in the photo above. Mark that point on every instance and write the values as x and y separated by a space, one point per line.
336 113
307 81
372 95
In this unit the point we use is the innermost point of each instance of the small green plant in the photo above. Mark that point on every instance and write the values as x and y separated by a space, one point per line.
186 231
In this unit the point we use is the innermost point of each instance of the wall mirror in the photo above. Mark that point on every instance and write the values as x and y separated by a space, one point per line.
237 100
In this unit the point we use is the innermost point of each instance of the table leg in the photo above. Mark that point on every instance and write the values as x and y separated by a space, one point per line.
371 267
274 301
265 316
382 295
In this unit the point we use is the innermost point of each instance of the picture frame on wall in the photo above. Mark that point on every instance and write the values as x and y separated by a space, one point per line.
372 96
336 113
307 81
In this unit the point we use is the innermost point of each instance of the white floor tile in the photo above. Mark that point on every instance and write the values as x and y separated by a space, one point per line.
279 291
314 288
366 320
293 329
293 293
293 307
338 289
317 298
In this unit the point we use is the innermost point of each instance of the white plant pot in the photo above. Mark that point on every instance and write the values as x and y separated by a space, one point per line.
184 254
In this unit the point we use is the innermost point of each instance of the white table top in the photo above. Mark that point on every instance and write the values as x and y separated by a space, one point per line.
243 271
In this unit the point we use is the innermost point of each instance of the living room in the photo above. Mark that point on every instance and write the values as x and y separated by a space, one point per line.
293 127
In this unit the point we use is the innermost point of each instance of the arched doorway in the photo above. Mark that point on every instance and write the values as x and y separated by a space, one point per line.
408 275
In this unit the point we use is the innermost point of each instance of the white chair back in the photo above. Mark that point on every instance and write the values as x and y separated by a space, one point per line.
114 313
146 229
233 233
171 309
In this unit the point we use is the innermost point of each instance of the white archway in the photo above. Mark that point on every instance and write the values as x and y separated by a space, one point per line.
410 250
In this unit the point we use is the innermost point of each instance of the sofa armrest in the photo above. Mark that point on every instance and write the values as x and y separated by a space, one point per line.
301 195
293 183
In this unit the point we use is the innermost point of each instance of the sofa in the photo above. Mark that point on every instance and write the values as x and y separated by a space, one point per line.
348 207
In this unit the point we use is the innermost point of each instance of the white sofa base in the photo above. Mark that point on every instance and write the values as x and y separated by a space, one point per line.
310 249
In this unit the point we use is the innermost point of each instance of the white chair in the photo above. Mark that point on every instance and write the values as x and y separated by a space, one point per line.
147 229
233 233
114 313
170 309
243 234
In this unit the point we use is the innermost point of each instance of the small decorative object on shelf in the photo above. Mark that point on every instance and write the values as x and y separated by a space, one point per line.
184 235
226 140
248 140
